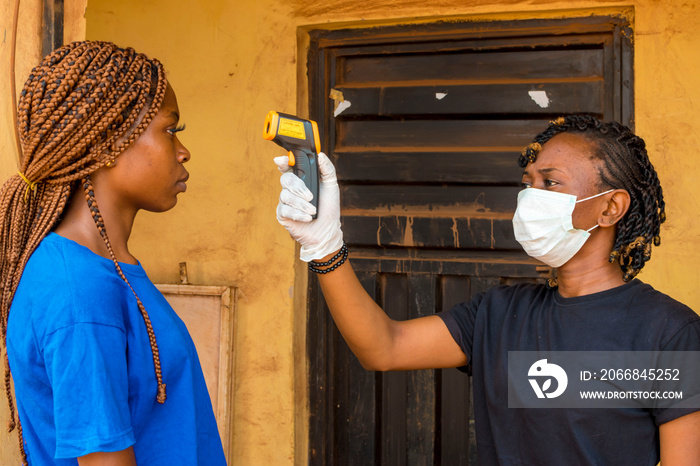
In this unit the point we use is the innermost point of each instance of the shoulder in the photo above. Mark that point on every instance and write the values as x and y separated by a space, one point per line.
517 295
519 290
65 283
58 258
658 319
658 305
503 297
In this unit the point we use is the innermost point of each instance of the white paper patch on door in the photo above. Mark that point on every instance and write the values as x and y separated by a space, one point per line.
440 95
339 102
342 106
540 98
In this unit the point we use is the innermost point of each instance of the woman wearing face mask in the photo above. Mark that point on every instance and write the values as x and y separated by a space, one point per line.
591 208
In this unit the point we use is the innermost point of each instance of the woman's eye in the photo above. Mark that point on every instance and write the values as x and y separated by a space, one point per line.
524 185
177 129
550 183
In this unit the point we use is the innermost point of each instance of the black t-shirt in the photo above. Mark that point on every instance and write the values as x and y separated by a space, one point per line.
632 317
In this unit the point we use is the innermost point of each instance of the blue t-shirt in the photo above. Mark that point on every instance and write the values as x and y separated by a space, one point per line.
83 368
632 317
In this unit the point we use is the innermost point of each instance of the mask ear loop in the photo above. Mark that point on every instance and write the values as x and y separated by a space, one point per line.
599 194
591 197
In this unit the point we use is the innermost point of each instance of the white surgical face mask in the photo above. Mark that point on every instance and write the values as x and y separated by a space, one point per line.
543 227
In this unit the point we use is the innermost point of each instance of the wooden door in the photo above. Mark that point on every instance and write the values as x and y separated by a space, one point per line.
426 154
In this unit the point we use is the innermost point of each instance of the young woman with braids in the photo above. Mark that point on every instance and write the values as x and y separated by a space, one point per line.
90 341
591 209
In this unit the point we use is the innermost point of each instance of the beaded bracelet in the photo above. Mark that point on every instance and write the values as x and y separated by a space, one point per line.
343 250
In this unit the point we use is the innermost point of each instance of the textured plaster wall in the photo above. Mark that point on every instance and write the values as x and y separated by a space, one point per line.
231 62
27 56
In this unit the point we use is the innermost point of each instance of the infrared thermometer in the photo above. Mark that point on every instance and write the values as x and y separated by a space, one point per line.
300 139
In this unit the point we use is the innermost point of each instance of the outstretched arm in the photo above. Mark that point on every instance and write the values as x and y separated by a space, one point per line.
379 342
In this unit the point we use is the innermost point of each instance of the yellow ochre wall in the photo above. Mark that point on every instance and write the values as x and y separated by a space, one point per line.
231 62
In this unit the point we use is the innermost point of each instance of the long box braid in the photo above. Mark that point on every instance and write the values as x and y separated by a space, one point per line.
626 165
80 108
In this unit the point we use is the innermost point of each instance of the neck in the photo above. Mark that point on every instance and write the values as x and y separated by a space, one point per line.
589 271
78 225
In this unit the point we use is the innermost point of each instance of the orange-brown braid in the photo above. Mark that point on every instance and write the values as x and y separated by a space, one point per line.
97 217
80 108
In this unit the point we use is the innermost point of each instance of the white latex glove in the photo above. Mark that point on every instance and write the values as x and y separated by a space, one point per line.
318 237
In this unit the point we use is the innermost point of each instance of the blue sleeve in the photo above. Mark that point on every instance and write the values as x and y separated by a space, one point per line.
460 321
86 365
687 339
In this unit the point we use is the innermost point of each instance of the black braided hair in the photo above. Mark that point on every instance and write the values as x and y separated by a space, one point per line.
626 165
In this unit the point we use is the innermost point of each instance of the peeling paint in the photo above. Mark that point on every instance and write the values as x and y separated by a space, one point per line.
455 233
408 233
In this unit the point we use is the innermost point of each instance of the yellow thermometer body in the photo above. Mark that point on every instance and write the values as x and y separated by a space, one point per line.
300 138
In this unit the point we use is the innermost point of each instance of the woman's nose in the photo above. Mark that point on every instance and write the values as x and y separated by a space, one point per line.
183 154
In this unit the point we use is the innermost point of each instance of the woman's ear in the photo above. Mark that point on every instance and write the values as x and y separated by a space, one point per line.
617 207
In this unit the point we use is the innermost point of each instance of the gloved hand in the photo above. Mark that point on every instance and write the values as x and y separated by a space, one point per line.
318 237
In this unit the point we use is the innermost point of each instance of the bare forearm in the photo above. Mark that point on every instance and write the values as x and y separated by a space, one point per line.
364 325
379 342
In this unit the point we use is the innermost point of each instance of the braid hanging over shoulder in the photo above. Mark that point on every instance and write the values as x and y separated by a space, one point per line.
80 108
625 165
